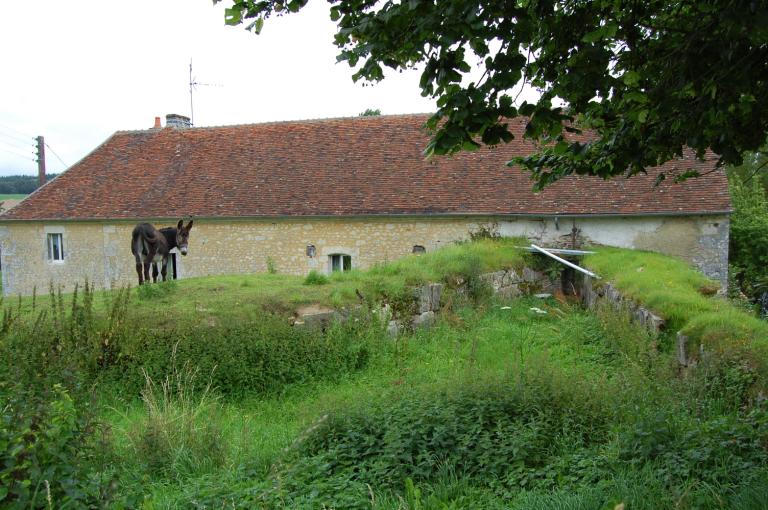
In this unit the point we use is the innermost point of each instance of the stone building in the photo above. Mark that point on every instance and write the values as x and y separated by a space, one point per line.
332 194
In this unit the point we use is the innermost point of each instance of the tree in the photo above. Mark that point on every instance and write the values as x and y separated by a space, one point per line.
370 112
748 254
647 78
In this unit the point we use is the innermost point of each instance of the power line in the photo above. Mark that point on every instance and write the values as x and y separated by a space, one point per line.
17 154
16 138
57 156
17 146
12 141
25 135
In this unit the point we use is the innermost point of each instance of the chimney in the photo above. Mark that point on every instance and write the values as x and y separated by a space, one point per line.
174 120
157 123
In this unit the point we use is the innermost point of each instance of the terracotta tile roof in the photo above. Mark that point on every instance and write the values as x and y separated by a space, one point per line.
348 166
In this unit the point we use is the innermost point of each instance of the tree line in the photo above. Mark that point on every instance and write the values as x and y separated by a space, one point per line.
20 184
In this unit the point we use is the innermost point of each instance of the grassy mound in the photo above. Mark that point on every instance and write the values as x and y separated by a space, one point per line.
686 300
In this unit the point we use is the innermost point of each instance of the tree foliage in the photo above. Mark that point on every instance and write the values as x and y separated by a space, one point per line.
20 184
749 236
648 78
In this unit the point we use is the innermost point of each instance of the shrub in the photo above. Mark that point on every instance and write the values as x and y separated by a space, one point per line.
315 278
258 357
722 451
501 433
155 291
48 451
749 236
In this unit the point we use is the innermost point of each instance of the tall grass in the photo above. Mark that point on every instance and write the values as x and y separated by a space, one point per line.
180 434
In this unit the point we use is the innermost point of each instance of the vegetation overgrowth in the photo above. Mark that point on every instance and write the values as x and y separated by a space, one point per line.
197 405
749 238
732 338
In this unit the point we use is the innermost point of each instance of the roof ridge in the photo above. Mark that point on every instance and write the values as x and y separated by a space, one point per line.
316 120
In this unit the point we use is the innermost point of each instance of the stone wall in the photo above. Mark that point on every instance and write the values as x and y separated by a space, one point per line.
593 293
101 251
701 240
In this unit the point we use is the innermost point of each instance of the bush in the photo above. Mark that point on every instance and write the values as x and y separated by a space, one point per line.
749 236
722 451
253 358
502 434
315 278
48 451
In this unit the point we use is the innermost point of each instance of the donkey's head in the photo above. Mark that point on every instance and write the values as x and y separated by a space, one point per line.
182 236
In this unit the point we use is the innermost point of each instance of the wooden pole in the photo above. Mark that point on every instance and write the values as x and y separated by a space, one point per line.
41 160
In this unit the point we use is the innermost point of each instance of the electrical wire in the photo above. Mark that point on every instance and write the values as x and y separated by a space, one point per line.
22 133
18 154
17 146
15 138
57 156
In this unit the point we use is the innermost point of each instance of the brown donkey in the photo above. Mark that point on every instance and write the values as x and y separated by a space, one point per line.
150 246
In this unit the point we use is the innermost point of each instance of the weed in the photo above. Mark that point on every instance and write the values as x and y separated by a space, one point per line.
180 435
315 278
155 291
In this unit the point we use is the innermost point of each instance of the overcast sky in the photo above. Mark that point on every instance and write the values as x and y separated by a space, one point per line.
76 71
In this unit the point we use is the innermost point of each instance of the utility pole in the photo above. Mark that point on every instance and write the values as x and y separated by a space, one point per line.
41 160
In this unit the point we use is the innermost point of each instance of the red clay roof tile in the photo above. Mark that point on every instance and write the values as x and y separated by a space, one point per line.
344 167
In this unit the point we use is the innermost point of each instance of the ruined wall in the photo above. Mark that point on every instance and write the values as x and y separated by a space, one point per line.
701 240
101 251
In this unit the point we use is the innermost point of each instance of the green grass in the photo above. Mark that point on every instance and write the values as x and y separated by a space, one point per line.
680 294
240 298
12 196
599 414
573 352
464 348
684 298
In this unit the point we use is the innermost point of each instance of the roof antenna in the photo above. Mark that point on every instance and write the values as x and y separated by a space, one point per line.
193 84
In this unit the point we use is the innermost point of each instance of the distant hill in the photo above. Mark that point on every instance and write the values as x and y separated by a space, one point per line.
20 184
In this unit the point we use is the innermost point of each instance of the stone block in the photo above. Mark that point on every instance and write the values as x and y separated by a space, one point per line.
394 328
428 297
423 320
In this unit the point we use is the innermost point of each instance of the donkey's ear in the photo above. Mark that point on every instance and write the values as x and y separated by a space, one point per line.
189 225
180 224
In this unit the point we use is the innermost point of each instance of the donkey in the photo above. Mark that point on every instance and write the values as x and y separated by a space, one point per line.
150 246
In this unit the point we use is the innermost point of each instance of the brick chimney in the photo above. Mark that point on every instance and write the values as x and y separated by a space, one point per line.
157 123
174 120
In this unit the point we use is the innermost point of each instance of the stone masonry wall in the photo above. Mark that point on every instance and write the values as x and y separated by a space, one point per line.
101 251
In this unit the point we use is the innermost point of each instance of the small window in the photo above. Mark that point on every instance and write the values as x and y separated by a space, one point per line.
419 249
341 262
56 247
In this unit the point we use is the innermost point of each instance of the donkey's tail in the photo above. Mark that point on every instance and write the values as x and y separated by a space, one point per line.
143 235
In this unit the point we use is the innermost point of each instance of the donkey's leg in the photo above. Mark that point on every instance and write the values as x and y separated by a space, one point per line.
139 270
165 268
154 272
136 247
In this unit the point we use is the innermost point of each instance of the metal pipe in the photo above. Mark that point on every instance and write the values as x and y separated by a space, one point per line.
563 261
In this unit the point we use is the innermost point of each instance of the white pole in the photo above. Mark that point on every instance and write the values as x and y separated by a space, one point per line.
563 261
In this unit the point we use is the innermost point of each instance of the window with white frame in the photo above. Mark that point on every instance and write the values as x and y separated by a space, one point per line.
341 262
56 247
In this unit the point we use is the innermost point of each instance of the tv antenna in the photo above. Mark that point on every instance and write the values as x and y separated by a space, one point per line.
193 84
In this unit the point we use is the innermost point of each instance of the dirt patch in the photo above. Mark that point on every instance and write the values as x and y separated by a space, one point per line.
313 309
